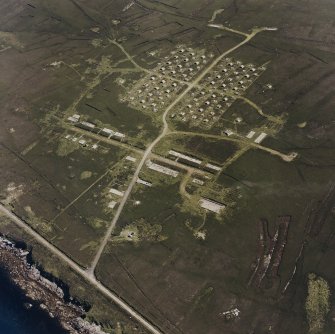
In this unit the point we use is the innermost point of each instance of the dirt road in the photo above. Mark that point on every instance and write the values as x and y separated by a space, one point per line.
96 284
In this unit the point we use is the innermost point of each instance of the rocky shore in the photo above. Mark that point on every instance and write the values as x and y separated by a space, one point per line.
48 295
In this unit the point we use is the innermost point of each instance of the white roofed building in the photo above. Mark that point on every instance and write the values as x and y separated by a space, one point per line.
213 167
185 157
116 192
250 134
161 169
111 205
146 183
211 205
260 138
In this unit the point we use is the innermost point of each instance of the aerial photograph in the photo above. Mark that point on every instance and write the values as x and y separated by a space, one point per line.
167 167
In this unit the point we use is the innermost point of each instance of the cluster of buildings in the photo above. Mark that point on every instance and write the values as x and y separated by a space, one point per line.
152 93
231 314
193 161
89 126
114 194
204 106
205 203
159 88
233 75
184 63
257 138
82 141
207 101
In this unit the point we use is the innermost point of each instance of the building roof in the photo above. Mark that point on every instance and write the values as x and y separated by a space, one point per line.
211 205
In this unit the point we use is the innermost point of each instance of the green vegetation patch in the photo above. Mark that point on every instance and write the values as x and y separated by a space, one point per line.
317 302
214 150
140 231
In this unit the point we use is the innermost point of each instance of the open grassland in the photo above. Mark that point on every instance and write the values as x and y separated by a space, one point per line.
67 197
178 265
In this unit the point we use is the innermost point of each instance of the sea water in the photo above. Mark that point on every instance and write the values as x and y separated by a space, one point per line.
18 315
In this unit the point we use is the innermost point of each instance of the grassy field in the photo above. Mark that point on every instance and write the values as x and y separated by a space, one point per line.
68 201
180 266
203 148
99 309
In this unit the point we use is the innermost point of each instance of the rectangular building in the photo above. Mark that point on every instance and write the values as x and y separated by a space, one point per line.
129 158
260 138
119 135
211 205
107 132
72 119
213 167
250 134
111 205
88 124
146 183
197 181
185 157
116 192
161 169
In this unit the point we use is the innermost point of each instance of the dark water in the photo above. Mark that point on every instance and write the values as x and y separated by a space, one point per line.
15 318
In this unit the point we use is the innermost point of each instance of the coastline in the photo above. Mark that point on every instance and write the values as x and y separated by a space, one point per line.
20 314
42 293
